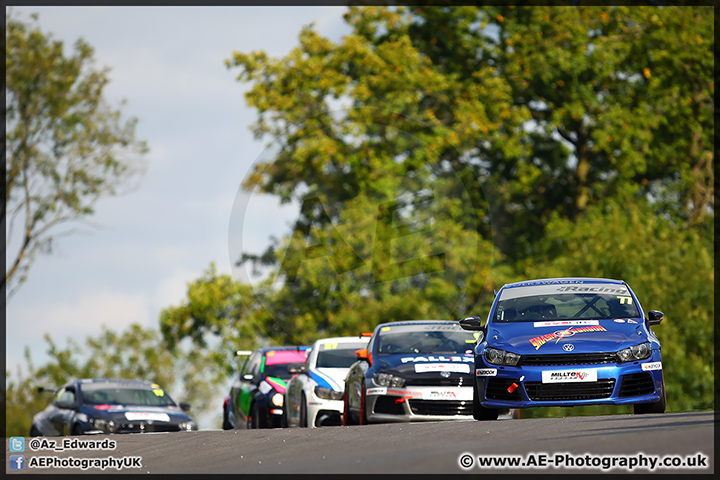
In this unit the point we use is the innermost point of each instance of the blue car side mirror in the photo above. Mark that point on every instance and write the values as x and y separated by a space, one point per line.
473 323
655 317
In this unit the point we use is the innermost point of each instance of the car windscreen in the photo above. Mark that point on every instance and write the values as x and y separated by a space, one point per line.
338 355
584 302
124 395
280 370
424 339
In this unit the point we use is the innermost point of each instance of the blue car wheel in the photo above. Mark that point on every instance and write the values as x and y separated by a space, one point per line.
480 412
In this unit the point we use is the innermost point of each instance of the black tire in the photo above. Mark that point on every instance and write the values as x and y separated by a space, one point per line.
255 420
656 407
480 412
34 432
362 420
303 412
76 430
226 420
347 419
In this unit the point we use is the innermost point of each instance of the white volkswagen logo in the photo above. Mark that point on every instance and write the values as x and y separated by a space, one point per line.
568 347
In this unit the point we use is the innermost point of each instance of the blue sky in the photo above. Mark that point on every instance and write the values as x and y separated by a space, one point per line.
168 63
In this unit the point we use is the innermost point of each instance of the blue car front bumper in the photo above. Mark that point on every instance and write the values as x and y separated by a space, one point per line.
569 385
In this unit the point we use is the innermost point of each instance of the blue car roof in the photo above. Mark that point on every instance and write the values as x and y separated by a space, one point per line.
562 280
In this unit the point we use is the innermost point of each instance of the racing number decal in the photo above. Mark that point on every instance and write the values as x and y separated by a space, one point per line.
624 299
330 346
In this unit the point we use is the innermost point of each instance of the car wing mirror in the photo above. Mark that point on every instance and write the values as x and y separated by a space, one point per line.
248 377
473 323
655 317
363 354
64 403
184 406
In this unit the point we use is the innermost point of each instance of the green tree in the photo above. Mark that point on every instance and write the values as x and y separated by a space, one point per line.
218 318
135 353
624 93
549 108
66 147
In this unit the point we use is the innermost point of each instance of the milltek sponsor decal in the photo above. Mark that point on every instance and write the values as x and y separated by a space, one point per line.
538 342
442 367
161 417
563 376
435 393
486 372
441 358
652 366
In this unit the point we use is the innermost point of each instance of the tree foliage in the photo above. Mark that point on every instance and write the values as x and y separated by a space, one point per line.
66 147
551 108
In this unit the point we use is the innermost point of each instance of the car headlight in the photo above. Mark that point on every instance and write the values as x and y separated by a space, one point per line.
501 357
636 352
104 425
387 380
278 399
187 426
328 393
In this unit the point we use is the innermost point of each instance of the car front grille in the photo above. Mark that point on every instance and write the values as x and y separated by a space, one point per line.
636 384
387 404
569 359
440 407
454 381
538 391
142 427
328 418
497 389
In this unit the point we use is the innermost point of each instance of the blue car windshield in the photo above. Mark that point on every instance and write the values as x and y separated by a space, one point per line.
566 306
124 395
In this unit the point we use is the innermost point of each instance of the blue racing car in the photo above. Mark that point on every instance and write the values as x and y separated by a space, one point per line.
566 342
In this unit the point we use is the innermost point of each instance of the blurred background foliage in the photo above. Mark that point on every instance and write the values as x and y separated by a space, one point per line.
440 152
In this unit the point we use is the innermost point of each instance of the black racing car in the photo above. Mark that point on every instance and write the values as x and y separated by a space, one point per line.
257 397
419 370
101 406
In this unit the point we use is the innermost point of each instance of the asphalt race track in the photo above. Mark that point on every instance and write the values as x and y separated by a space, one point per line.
428 448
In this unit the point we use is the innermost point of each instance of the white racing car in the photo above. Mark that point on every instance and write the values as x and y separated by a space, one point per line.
313 397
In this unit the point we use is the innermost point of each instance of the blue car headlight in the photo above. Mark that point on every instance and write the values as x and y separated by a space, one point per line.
636 352
501 357
387 380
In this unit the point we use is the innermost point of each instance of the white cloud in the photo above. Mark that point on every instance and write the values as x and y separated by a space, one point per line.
77 319
172 290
